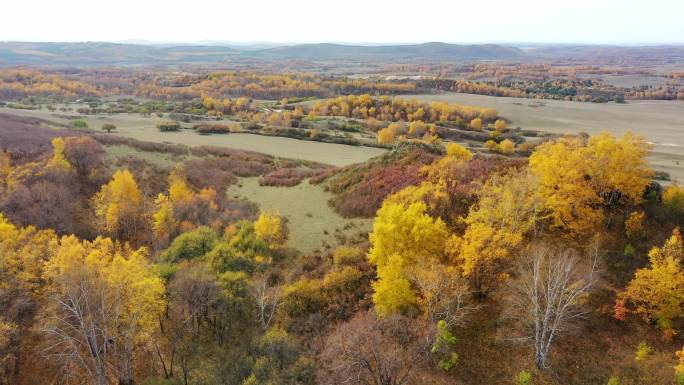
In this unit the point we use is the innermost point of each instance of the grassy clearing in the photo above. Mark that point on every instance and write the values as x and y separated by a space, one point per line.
312 221
144 128
660 122
157 158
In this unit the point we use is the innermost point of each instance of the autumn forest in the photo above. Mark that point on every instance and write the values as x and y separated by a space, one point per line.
305 215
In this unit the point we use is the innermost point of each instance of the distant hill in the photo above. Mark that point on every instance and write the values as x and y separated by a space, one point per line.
129 54
607 54
98 53
427 51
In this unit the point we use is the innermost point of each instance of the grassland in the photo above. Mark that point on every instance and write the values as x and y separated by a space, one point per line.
143 128
156 158
660 122
312 221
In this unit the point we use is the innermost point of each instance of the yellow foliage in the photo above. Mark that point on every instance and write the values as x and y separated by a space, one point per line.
58 159
657 291
178 186
417 128
506 146
164 224
458 151
403 237
386 136
392 290
577 178
642 352
23 251
5 169
619 165
673 198
500 125
432 194
634 225
270 227
116 277
119 206
476 124
679 369
508 209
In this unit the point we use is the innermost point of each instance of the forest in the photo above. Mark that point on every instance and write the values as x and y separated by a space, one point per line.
200 215
477 268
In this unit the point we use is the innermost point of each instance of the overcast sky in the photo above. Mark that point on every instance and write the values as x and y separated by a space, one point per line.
544 21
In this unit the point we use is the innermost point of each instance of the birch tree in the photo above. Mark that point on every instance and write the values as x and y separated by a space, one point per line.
548 296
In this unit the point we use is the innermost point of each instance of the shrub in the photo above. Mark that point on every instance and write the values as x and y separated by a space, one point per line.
190 245
303 297
224 257
523 378
629 251
348 256
285 177
634 225
108 127
79 123
217 128
673 198
642 352
168 125
342 282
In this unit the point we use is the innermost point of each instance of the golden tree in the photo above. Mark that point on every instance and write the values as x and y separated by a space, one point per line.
58 159
508 209
578 178
105 307
403 237
458 151
500 125
657 292
119 207
673 198
271 228
506 146
386 136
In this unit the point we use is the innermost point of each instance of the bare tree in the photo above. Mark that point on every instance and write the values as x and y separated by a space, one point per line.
372 351
194 296
548 295
77 333
445 294
267 301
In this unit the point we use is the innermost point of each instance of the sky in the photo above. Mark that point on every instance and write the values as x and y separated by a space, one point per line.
349 21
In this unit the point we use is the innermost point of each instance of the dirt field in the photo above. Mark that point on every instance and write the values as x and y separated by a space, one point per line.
143 128
312 221
661 122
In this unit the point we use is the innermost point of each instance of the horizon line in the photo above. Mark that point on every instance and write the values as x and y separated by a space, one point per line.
203 42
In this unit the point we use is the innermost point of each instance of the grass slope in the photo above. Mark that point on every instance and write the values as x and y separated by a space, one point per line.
312 221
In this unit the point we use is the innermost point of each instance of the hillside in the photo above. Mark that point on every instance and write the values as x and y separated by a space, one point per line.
100 53
425 51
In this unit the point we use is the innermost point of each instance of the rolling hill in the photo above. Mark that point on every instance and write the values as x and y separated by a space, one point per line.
101 53
429 51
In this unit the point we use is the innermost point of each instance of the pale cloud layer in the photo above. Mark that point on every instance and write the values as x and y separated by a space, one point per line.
552 21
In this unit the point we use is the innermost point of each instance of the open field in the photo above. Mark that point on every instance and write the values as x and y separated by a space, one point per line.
143 128
312 221
158 159
661 122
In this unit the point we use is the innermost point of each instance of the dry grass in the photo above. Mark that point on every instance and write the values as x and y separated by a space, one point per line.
661 122
312 221
144 128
